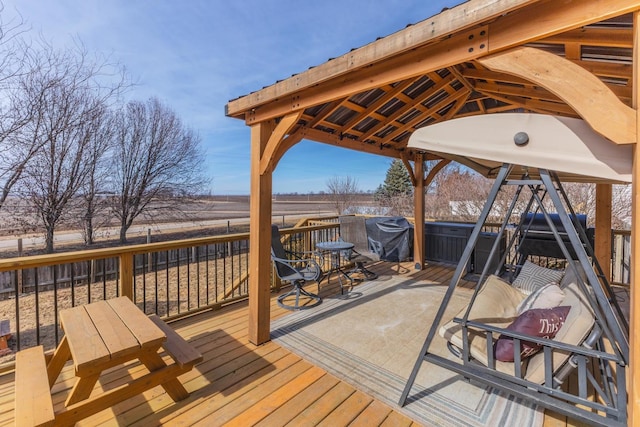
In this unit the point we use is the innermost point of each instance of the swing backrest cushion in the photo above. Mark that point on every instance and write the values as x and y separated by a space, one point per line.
496 304
548 296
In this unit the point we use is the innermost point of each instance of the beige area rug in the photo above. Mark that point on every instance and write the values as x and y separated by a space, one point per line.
371 339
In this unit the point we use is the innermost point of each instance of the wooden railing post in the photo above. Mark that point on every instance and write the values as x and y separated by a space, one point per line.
126 275
276 282
19 273
149 256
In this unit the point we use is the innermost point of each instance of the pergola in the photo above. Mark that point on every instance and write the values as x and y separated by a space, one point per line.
575 58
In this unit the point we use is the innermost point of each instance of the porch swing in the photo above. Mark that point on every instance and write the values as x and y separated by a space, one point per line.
496 339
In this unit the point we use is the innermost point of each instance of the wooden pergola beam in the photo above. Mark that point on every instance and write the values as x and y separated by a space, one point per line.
277 144
409 53
525 91
422 33
337 141
608 37
578 88
434 171
550 17
459 48
537 106
602 238
605 69
441 84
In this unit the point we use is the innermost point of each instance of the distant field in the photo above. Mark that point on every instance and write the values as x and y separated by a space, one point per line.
205 217
14 217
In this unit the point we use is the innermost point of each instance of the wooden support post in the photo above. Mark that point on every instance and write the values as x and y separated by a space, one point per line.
418 212
602 239
634 321
126 276
633 379
260 241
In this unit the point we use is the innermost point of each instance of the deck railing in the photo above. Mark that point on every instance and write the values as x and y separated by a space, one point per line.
170 279
621 257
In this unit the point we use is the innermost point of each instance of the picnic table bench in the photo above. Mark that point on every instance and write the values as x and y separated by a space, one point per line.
99 336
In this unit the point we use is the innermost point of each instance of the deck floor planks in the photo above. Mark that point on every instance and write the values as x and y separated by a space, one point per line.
279 397
348 410
248 398
322 407
396 419
208 400
373 415
294 406
236 380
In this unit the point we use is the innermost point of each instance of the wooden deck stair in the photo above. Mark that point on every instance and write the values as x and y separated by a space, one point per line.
240 384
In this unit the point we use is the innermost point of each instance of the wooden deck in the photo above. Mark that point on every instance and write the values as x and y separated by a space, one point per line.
241 384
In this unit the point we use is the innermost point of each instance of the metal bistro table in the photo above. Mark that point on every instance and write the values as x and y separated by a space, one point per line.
336 247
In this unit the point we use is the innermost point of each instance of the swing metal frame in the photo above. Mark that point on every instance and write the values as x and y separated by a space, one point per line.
607 347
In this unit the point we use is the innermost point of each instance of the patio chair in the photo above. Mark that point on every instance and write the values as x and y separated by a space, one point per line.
297 268
353 230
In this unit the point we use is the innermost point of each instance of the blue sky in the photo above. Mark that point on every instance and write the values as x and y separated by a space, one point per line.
196 55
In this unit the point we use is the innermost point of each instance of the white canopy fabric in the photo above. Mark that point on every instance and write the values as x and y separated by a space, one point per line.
565 145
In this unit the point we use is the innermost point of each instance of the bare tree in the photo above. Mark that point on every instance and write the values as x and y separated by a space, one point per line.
17 68
70 101
157 162
456 194
93 200
621 206
583 199
341 192
460 194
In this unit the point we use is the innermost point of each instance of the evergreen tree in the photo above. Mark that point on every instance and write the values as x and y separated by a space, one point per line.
396 183
395 194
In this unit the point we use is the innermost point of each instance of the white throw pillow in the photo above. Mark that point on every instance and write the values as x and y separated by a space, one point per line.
548 296
533 277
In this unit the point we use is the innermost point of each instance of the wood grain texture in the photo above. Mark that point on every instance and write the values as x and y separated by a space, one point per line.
32 396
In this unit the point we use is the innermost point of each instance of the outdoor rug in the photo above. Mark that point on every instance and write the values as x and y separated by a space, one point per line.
371 339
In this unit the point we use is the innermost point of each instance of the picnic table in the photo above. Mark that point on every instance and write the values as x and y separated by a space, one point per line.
99 336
